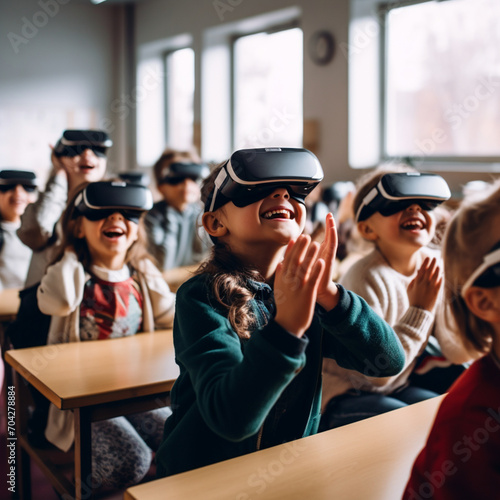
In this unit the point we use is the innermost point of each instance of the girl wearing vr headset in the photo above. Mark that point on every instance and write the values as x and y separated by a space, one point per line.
172 225
401 280
79 156
17 191
461 457
254 323
104 285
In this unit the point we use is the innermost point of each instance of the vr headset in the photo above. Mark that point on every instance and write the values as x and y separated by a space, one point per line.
9 179
75 142
252 174
396 192
135 178
487 275
101 199
177 172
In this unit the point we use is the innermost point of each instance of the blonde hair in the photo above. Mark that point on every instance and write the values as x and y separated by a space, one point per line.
468 237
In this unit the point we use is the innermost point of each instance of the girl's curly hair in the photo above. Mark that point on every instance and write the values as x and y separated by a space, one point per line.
229 276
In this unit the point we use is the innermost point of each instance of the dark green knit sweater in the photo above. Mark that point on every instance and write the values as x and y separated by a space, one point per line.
233 397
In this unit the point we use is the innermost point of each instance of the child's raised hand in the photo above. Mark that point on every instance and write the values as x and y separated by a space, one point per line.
296 284
57 164
424 289
327 290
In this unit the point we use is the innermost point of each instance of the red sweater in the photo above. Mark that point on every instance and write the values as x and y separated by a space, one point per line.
461 459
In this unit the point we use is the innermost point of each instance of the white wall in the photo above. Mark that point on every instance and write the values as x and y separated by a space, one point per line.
58 69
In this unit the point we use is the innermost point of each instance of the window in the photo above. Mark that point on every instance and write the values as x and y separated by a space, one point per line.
150 111
180 98
267 89
165 98
441 95
424 83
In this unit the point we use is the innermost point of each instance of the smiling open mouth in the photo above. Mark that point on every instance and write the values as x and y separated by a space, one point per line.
113 234
413 225
278 214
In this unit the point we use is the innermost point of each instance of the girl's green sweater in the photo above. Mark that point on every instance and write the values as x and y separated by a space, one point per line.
235 396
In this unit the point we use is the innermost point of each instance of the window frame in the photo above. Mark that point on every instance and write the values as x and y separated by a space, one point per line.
376 12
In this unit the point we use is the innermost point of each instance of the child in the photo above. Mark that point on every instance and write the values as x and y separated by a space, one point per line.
79 156
104 286
172 225
17 191
252 327
400 279
461 457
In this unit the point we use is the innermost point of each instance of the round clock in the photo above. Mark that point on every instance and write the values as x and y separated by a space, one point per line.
321 47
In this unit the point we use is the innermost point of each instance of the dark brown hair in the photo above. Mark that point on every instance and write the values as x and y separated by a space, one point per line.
229 276
170 156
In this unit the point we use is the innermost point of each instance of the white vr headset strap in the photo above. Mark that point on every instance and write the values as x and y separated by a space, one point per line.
219 180
488 260
366 201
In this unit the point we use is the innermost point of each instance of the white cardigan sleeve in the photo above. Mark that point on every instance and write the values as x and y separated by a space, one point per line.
159 300
61 289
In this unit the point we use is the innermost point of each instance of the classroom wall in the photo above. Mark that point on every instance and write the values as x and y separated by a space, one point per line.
79 60
60 63
325 87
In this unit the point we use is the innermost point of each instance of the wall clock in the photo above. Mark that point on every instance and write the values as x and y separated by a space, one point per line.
321 47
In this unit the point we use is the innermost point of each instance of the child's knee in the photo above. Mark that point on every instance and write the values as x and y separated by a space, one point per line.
122 468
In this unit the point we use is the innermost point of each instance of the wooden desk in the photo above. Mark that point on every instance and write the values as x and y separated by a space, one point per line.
96 380
9 304
367 460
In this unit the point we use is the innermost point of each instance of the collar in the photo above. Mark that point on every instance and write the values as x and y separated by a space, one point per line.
112 276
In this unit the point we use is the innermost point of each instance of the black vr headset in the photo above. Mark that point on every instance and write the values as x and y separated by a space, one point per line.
396 192
75 142
9 179
177 172
487 275
135 178
99 200
252 174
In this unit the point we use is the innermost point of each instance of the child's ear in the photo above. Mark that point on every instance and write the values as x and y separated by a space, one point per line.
366 231
213 226
483 303
78 230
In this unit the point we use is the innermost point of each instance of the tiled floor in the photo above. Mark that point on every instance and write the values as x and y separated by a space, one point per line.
41 488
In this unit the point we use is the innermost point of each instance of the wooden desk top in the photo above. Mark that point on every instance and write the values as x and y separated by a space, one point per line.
367 460
9 304
87 373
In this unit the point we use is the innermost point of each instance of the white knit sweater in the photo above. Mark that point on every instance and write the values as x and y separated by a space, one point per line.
385 290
